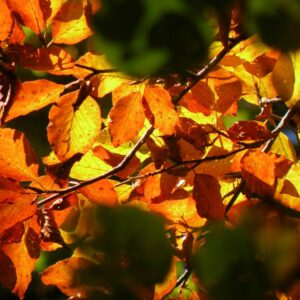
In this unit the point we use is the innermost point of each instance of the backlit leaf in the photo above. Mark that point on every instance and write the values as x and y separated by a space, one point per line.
206 193
6 21
16 204
101 192
164 116
127 119
248 131
23 255
114 159
17 159
34 13
68 276
73 130
54 59
260 170
288 190
70 24
34 95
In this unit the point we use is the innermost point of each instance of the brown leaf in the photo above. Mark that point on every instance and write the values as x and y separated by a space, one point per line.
164 116
261 66
73 130
101 192
206 193
33 95
127 119
54 59
8 276
17 159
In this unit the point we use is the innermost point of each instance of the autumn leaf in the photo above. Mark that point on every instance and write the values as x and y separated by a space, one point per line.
288 191
103 83
6 21
164 116
33 95
201 99
73 129
248 131
8 276
115 159
23 255
54 59
34 13
260 170
127 119
101 192
16 204
17 159
286 79
206 193
68 276
70 24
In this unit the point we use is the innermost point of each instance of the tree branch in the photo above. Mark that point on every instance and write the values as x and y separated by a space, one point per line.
116 169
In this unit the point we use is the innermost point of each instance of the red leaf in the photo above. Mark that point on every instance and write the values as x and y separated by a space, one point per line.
248 131
206 193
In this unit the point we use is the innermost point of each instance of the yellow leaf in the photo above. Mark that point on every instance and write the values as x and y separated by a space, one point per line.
89 166
127 119
34 95
73 129
70 24
17 159
283 146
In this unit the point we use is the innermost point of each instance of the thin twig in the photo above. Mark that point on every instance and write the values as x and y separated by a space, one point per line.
116 169
265 149
207 68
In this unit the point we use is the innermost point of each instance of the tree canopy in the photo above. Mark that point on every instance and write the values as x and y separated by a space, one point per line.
155 144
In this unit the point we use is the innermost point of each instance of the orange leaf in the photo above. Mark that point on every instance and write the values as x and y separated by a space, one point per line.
127 119
6 21
17 159
260 170
164 116
229 93
73 129
70 24
16 204
68 275
33 95
101 192
114 159
202 99
208 198
34 13
24 255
